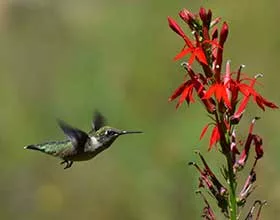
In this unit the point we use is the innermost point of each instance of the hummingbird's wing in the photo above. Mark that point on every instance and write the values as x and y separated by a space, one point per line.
76 136
97 122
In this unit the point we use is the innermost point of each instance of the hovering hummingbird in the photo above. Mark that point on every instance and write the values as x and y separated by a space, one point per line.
80 145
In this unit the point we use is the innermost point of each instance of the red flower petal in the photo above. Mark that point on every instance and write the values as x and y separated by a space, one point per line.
215 137
259 102
246 89
202 14
245 100
177 92
199 53
203 131
262 102
225 96
258 146
210 92
241 107
269 104
182 53
187 16
213 42
220 93
245 153
224 34
191 59
186 95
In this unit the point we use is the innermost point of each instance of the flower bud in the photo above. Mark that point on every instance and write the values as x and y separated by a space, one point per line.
175 27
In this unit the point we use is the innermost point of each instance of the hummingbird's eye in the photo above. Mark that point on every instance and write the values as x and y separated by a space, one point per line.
110 132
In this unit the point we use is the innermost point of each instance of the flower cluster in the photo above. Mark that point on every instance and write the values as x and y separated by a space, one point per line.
225 96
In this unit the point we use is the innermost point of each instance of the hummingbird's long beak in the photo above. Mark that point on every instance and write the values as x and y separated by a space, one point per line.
130 132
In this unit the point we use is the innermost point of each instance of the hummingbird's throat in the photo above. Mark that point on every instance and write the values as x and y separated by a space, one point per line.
94 142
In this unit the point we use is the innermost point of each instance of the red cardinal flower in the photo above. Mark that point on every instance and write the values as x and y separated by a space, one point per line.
211 182
219 56
215 135
188 17
185 91
196 52
175 27
262 102
220 92
248 91
225 96
256 140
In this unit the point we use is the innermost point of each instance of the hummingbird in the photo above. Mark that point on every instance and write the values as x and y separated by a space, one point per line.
80 145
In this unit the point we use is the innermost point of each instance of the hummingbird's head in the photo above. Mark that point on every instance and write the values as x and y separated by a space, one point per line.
107 135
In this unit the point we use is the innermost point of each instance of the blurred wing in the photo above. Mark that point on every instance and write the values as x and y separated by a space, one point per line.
75 135
98 121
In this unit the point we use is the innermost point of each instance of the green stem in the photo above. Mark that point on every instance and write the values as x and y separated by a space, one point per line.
225 144
231 179
232 187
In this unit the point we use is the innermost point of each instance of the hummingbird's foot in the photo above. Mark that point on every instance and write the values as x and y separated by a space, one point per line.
68 163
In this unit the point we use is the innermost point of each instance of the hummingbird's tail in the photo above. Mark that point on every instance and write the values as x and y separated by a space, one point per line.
52 148
45 147
33 147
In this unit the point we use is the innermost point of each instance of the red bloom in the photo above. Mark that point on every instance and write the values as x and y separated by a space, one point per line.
188 17
175 27
185 91
204 131
177 92
220 92
248 91
257 141
219 56
196 52
262 102
215 135
206 17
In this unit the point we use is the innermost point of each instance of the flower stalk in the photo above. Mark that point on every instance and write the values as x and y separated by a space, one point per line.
232 188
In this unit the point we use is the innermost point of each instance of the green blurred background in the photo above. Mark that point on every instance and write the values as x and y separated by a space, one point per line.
65 58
